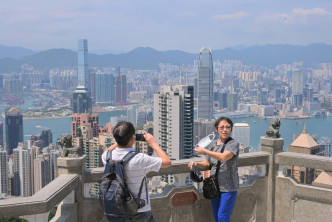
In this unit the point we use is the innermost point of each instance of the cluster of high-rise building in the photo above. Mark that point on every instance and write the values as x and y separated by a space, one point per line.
159 102
25 168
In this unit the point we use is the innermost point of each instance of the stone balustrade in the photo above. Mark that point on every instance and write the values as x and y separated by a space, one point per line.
270 196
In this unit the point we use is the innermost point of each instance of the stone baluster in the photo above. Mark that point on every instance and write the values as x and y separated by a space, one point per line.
71 208
272 146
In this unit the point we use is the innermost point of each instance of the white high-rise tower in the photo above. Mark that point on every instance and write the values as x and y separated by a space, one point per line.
173 120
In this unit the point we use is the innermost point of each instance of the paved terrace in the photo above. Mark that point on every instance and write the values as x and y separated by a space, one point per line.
269 196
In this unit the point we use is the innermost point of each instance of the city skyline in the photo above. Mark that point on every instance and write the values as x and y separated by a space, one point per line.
120 26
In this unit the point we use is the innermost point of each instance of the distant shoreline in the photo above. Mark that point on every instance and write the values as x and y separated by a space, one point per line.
58 117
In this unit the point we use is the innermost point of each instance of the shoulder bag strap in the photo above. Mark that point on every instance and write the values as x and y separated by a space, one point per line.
219 162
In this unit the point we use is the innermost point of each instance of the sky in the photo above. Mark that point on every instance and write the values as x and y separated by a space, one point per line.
114 26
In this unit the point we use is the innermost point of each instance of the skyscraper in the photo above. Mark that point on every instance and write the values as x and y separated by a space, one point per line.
22 173
173 120
298 82
205 85
3 172
1 134
120 89
104 89
232 101
41 173
83 67
14 129
82 100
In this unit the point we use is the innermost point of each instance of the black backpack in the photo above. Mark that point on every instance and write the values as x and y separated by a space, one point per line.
116 199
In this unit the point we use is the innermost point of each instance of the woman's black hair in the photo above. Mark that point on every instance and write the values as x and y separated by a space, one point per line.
228 120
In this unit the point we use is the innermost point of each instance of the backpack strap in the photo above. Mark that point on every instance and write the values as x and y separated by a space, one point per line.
125 160
108 155
128 157
146 190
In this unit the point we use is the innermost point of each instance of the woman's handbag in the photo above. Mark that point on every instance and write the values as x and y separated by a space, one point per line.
211 187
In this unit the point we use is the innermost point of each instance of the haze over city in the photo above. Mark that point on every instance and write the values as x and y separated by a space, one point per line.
120 26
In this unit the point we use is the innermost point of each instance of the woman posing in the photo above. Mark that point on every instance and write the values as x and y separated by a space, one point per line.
222 206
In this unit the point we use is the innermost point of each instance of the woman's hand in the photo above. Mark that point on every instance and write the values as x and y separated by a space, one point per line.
191 164
200 150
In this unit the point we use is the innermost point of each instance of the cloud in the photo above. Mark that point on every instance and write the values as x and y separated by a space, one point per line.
297 14
306 12
237 15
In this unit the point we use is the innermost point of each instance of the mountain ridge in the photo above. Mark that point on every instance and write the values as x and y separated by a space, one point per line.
149 58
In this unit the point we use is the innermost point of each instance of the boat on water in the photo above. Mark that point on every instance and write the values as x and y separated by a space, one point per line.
39 126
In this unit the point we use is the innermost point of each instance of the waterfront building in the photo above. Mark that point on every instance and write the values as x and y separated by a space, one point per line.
173 120
263 97
297 100
120 89
82 119
220 100
44 139
104 85
82 100
232 101
205 85
21 170
83 74
3 172
14 129
298 82
13 85
132 111
1 134
304 143
241 133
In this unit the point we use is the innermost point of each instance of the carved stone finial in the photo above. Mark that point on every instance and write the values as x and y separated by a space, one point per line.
273 130
67 147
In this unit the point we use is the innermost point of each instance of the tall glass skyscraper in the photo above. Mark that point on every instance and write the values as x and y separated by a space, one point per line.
82 100
14 129
205 85
83 67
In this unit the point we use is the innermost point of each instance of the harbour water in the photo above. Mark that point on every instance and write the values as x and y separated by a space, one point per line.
321 127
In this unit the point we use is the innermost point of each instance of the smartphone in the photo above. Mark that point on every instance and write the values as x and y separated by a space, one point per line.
140 137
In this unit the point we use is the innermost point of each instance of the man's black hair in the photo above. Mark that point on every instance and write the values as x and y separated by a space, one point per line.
123 132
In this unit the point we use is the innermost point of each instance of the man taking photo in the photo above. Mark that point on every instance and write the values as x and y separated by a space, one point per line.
137 168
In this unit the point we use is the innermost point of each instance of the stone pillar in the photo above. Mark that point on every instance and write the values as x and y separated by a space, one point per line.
68 165
273 146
